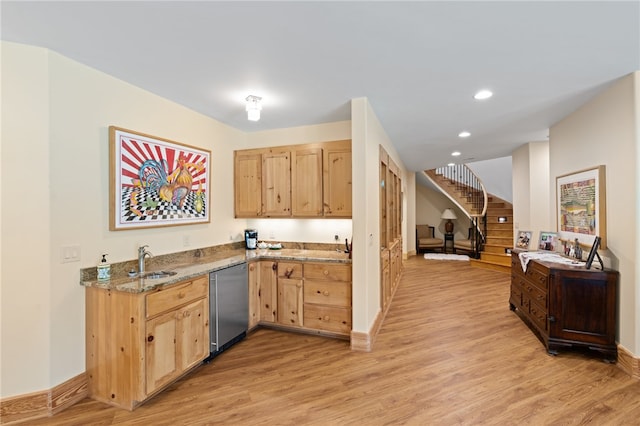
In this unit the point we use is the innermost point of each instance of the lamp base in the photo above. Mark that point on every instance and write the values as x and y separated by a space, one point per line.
448 227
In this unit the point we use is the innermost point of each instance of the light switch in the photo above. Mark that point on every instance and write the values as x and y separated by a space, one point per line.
70 254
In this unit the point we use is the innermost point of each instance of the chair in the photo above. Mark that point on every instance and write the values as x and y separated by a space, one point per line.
425 239
466 245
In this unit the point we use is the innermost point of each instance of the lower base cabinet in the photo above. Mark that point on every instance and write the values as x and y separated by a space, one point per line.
311 296
138 343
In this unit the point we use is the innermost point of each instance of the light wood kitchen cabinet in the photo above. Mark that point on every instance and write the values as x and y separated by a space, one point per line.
327 297
306 182
276 183
337 180
268 290
248 184
137 343
290 294
254 290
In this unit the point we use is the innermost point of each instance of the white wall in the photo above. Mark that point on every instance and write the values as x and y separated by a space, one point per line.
430 204
606 131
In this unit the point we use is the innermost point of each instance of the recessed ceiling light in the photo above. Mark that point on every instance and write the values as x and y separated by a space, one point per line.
483 94
464 134
455 153
451 164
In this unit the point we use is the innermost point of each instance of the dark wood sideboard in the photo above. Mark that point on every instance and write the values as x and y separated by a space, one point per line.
566 306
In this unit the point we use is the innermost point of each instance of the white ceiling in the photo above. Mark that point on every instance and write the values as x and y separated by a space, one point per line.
418 63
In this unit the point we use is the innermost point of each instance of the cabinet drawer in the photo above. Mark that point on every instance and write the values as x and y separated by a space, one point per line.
327 271
327 318
537 277
176 295
539 316
290 270
328 293
535 293
516 295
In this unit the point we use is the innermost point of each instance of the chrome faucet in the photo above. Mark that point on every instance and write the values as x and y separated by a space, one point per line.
142 253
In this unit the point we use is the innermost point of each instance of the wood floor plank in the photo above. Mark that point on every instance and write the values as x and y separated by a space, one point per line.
449 352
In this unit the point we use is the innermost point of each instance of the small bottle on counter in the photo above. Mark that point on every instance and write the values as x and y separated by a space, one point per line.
104 269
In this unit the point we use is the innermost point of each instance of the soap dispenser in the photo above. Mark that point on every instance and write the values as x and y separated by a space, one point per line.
104 269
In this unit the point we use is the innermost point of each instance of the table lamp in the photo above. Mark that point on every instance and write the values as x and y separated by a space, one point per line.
448 214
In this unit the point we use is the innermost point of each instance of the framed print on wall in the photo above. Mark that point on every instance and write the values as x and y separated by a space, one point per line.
156 182
581 209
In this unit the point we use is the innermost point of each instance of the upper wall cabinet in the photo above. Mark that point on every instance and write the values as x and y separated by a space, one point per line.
310 180
337 181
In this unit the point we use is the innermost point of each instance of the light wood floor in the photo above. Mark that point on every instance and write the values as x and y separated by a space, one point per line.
450 352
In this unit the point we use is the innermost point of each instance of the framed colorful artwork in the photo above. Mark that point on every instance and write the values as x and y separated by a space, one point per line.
581 209
156 182
523 240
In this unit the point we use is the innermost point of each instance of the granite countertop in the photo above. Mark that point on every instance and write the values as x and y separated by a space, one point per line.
205 265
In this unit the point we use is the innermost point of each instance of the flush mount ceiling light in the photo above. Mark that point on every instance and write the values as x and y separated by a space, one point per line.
253 107
455 153
483 94
464 134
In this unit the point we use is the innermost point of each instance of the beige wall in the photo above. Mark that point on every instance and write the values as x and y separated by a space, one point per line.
367 136
430 204
606 131
312 230
54 191
531 208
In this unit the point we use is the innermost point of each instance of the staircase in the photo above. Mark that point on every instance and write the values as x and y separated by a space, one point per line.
495 234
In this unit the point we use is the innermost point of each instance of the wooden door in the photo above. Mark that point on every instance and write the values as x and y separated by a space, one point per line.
161 351
306 182
267 291
248 184
276 184
193 334
290 301
337 181
254 298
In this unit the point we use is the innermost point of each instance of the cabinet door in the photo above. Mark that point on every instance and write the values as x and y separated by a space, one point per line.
248 184
254 298
276 184
337 182
290 301
193 334
267 291
582 307
161 351
306 182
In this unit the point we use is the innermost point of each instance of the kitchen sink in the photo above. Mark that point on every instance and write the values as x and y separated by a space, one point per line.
157 274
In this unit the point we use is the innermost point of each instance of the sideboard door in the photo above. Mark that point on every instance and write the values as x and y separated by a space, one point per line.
583 307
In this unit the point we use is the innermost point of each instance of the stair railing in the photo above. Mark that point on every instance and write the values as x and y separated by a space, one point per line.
474 193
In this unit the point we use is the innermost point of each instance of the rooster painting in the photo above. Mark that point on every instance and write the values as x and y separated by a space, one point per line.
159 181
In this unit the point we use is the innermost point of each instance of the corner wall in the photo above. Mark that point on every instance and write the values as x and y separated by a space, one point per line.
606 130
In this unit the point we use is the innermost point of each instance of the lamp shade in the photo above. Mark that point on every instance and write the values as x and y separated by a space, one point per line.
448 214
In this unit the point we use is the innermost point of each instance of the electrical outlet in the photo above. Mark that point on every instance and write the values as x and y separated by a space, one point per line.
272 235
70 254
186 240
336 237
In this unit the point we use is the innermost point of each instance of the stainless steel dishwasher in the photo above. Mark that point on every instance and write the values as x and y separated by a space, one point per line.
228 307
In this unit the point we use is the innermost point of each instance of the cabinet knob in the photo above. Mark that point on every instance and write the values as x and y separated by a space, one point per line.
326 318
326 293
150 338
274 266
326 272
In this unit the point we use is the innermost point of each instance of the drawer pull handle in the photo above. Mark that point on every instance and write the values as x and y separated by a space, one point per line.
552 318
